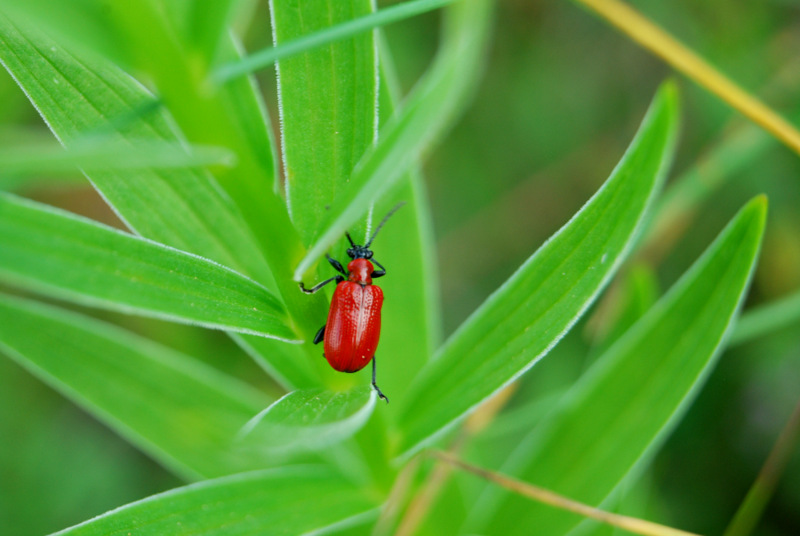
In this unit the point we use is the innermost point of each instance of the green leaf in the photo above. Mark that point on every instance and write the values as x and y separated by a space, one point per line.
328 105
337 32
231 116
285 363
51 251
765 319
182 413
621 410
208 25
281 501
405 247
530 312
433 105
310 419
77 94
242 104
83 22
49 157
629 300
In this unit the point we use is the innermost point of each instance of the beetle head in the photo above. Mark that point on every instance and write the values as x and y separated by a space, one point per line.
358 252
364 252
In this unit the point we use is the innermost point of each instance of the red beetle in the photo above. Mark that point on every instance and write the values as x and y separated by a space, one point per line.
354 320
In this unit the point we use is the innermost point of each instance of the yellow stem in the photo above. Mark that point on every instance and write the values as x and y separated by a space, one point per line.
631 524
422 503
658 41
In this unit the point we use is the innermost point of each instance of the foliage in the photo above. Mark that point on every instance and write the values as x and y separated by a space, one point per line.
218 220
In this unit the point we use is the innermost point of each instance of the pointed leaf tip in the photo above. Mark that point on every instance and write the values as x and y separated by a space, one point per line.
530 312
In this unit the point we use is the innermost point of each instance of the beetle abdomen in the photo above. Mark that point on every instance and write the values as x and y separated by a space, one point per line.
354 326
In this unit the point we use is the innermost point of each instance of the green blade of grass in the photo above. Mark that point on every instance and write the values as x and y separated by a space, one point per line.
767 318
242 104
208 24
308 419
49 157
182 413
621 410
51 251
328 105
531 311
80 94
635 294
279 502
426 113
337 32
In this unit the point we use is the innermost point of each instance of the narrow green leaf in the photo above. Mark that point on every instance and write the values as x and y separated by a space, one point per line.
208 24
531 311
243 105
77 94
265 211
282 501
336 32
230 117
427 112
285 363
83 22
309 419
51 251
636 292
49 157
621 410
328 105
767 318
182 413
405 248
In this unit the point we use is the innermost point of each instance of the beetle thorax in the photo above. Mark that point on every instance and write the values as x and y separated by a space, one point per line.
360 271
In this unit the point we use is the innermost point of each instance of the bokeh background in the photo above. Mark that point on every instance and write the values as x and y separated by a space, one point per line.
560 99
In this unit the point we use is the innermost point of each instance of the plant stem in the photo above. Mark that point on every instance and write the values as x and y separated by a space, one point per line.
631 524
426 498
758 496
662 44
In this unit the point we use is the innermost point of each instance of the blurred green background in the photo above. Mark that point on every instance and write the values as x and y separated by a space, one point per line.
561 96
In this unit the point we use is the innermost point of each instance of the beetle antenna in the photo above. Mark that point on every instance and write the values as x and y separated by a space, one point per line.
347 234
378 228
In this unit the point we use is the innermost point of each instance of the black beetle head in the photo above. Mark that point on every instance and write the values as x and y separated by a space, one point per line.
363 252
359 252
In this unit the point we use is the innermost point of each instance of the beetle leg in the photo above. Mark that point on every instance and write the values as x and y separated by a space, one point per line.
375 385
320 335
336 264
378 273
318 286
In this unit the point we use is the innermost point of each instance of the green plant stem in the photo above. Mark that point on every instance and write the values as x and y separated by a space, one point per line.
268 56
752 507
